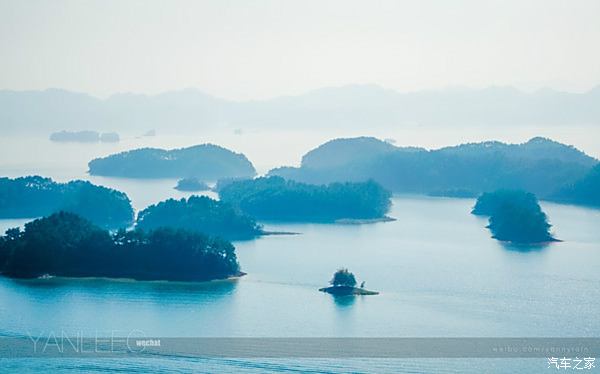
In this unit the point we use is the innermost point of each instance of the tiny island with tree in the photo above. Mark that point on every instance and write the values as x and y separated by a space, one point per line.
343 283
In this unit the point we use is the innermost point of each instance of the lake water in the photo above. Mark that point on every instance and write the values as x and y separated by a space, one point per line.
439 273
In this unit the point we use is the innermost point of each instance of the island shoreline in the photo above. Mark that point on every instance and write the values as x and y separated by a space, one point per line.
128 280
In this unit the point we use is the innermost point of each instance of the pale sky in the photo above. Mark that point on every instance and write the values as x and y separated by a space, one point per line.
252 49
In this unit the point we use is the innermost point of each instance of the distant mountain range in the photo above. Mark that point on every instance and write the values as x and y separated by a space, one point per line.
347 107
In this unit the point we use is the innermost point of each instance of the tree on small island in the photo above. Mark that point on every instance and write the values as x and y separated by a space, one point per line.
343 277
343 283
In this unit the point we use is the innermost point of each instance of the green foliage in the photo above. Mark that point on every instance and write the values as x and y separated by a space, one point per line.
65 244
206 161
200 214
539 165
191 184
489 203
340 152
35 196
585 191
515 216
343 277
275 198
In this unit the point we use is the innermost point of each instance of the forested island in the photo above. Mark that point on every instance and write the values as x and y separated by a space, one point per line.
65 244
207 162
514 216
539 165
35 196
191 184
200 214
84 137
277 199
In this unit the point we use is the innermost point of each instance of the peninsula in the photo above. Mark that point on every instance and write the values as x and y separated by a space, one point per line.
277 199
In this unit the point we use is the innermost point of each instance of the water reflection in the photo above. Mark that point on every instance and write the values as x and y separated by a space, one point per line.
131 289
344 301
525 248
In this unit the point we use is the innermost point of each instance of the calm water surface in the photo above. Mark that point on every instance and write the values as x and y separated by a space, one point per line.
438 271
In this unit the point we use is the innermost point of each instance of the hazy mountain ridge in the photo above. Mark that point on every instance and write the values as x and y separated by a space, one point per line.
540 165
353 106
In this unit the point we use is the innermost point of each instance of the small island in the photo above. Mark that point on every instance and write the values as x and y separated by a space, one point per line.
67 245
35 196
515 216
277 199
191 184
84 137
207 161
200 214
343 283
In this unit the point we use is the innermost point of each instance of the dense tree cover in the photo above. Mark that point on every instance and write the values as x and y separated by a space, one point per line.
514 216
340 152
191 184
35 196
221 183
207 162
343 277
65 244
201 214
540 165
490 202
585 191
275 198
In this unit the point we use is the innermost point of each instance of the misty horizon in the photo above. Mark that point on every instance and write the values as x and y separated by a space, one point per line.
201 90
245 51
